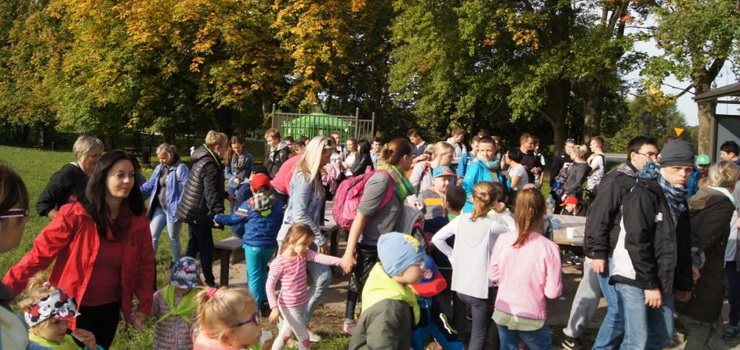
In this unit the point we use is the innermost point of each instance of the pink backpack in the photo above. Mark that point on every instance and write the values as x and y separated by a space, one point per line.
349 194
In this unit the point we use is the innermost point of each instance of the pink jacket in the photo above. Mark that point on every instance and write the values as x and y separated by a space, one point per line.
281 182
526 275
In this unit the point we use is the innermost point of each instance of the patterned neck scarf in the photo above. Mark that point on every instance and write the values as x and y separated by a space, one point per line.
676 196
491 165
402 186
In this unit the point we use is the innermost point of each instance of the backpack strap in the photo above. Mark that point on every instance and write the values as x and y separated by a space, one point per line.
389 192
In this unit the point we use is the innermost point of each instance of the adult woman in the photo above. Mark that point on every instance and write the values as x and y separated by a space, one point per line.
371 221
101 249
304 206
363 159
66 184
351 158
14 204
238 167
165 188
711 210
421 175
517 173
577 173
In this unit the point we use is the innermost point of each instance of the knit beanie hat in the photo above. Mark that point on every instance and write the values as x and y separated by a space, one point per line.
185 273
398 251
676 153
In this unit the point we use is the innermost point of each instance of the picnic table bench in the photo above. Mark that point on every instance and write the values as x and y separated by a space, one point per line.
560 235
226 251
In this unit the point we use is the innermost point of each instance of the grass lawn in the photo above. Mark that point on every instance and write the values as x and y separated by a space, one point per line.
36 167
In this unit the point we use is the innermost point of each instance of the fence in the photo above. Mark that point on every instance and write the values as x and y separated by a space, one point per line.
313 124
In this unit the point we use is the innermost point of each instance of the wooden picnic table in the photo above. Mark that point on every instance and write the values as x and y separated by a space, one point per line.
560 235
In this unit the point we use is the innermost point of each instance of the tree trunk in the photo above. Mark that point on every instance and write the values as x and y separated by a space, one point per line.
706 116
592 115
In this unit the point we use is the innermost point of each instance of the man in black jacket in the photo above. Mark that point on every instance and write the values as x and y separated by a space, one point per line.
203 198
652 257
601 233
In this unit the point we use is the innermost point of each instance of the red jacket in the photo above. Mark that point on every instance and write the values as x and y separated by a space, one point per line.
281 182
72 240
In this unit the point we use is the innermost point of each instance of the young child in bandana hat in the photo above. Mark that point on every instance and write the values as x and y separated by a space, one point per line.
389 306
175 306
260 217
48 310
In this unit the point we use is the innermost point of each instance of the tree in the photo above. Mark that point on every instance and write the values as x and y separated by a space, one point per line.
696 37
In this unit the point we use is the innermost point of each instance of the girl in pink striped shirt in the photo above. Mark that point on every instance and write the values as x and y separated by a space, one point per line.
289 268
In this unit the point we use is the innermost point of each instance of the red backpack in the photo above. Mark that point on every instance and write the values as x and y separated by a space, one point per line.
349 194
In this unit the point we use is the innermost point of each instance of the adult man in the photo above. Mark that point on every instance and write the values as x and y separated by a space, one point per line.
529 161
341 151
457 141
597 162
419 146
278 152
375 149
701 170
730 152
602 231
202 198
652 257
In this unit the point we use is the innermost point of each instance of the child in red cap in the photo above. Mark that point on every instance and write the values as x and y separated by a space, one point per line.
261 217
572 207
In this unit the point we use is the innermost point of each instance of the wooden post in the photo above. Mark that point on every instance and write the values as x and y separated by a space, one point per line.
357 122
372 127
272 116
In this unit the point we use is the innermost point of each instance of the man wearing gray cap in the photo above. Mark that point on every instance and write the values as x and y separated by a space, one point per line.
652 257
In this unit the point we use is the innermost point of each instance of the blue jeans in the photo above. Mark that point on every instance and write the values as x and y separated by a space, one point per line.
535 340
257 259
159 220
644 327
612 327
319 278
733 291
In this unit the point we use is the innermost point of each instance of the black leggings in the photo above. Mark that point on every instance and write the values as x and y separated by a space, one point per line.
367 256
102 321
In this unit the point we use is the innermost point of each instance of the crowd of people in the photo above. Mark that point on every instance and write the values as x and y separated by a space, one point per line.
446 243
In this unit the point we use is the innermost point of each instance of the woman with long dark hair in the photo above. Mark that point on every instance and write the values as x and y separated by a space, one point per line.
101 249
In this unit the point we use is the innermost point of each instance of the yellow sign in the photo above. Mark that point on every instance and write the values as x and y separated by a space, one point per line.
678 131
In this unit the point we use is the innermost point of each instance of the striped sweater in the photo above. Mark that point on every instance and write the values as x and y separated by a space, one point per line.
291 273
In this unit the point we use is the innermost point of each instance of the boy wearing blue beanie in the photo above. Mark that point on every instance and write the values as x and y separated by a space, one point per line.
389 307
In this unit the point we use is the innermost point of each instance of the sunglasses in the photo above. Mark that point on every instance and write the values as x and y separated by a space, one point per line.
14 213
255 318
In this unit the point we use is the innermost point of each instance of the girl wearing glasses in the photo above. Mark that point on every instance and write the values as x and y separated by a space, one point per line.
227 319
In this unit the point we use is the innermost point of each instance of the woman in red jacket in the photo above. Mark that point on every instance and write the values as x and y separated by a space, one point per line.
101 249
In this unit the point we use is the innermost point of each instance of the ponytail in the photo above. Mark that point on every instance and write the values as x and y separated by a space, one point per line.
528 213
485 195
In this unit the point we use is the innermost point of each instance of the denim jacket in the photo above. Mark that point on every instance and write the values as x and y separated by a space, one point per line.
176 181
304 206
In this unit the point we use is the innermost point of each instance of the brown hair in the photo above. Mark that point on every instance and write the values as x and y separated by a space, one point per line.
457 131
528 213
13 190
230 151
394 151
219 310
272 133
525 136
295 233
485 196
599 140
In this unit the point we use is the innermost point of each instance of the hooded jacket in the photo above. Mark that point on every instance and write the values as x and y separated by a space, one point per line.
604 215
652 250
177 179
276 158
711 211
72 242
204 195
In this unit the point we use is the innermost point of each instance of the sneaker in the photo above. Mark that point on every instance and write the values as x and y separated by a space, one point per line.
731 332
348 326
313 337
577 261
571 343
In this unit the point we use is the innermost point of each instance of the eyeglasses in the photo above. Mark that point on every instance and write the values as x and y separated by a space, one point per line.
14 213
649 154
255 318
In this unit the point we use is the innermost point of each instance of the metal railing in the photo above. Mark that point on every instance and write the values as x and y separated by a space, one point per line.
314 124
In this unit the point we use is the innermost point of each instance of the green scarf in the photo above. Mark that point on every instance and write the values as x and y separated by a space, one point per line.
67 343
402 186
380 286
184 309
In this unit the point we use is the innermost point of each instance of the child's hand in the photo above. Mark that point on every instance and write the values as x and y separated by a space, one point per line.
275 315
86 337
215 224
138 321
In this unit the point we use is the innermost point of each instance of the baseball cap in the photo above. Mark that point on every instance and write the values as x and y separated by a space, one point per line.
442 171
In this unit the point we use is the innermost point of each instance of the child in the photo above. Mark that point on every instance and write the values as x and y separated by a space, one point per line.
572 207
389 307
174 307
260 217
526 267
289 268
228 319
48 310
432 200
475 235
433 322
238 167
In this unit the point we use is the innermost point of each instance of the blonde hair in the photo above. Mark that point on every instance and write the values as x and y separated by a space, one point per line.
723 174
296 233
485 195
272 133
580 151
166 148
85 145
37 289
528 213
311 163
221 309
440 148
214 138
